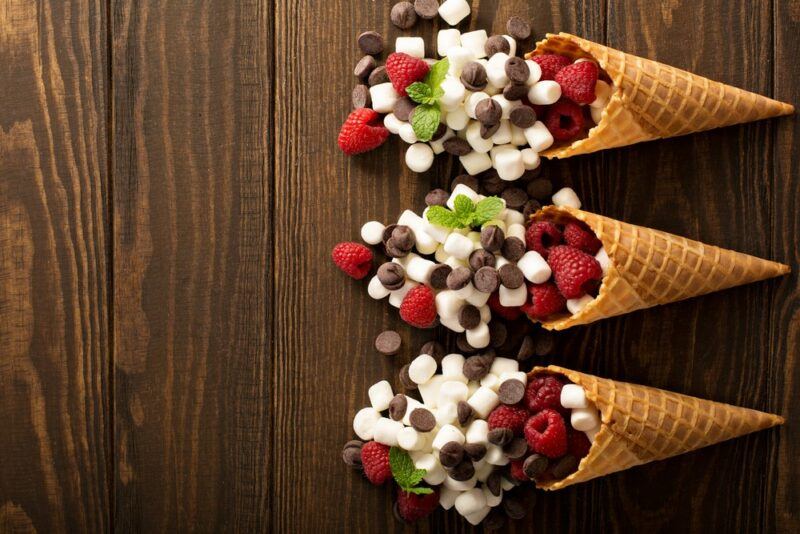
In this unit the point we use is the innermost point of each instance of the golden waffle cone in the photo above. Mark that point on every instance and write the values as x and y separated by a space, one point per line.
653 100
649 267
641 424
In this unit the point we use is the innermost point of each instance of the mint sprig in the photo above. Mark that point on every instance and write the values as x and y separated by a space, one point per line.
465 213
405 474
428 115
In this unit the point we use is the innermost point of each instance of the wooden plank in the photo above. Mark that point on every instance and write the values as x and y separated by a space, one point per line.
54 224
192 248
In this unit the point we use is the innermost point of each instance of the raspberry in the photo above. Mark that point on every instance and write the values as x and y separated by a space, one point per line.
578 81
418 307
551 64
411 506
574 271
516 470
362 132
375 459
512 417
353 258
544 393
403 70
546 433
545 301
578 235
509 314
578 444
565 120
541 236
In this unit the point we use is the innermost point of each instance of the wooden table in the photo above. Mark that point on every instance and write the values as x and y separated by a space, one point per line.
177 353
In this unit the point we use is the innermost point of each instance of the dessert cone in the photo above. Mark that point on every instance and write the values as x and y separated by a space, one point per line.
652 100
641 424
649 267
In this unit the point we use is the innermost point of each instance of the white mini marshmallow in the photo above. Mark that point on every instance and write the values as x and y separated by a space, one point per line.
500 261
573 396
472 102
538 136
498 150
435 473
584 419
603 259
491 381
534 70
386 431
407 134
438 233
478 299
447 497
475 140
478 337
483 401
576 305
503 365
424 242
419 269
447 39
392 123
396 297
448 304
384 97
495 455
451 323
472 387
452 392
512 43
468 289
544 93
372 232
476 518
518 139
380 395
454 262
376 290
592 434
518 375
364 422
597 114
496 69
413 46
530 158
446 414
419 157
516 230
478 432
513 217
475 42
503 133
430 390
445 435
421 369
492 500
534 267
459 246
486 312
440 255
513 297
566 196
460 486
602 93
506 105
411 405
457 119
454 11
476 162
461 189
437 145
490 89
453 365
454 92
470 502
458 57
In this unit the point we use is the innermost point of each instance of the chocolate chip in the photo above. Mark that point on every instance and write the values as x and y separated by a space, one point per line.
530 207
535 465
405 379
497 333
516 449
378 76
434 349
465 413
457 146
459 278
488 131
403 15
515 197
511 391
475 451
488 112
481 258
451 454
515 91
545 343
477 367
492 184
436 197
426 9
540 189
565 467
393 250
391 275
526 349
463 345
486 279
492 238
371 43
529 175
495 520
463 471
511 276
422 420
361 97
465 179
439 275
469 317
522 117
397 407
501 436
351 454
403 108
494 482
517 70
440 130
404 237
513 507
513 248
518 28
387 233
496 44
364 67
388 342
473 76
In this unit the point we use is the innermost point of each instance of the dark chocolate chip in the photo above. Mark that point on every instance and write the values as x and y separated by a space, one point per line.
522 117
473 76
371 43
494 483
518 28
491 183
495 520
391 275
459 278
403 15
466 179
488 112
545 343
378 76
501 436
426 9
477 367
351 454
481 258
497 333
526 349
387 233
541 189
360 97
405 379
436 197
496 44
393 250
397 407
515 91
511 391
513 248
403 108
451 454
513 507
463 345
488 131
469 317
388 342
516 449
492 238
403 237
565 467
530 175
517 70
465 413
486 279
440 130
511 276
463 471
422 420
515 197
364 67
439 275
535 465
434 349
457 146
475 451
530 207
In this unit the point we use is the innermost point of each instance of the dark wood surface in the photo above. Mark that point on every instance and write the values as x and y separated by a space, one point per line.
178 355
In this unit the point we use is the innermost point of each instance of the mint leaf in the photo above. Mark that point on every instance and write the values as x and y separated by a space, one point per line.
443 217
425 121
436 75
463 206
420 92
405 474
437 94
419 490
486 210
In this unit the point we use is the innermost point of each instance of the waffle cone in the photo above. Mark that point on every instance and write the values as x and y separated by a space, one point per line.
641 424
653 100
649 267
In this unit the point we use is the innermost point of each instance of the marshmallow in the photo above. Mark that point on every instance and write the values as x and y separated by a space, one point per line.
447 414
454 93
513 297
476 236
413 46
602 93
434 472
372 232
438 233
437 145
530 158
478 432
496 70
447 434
419 157
478 337
516 375
513 217
472 387
422 368
495 455
518 139
534 267
492 500
461 189
424 242
483 401
584 418
411 405
576 305
472 102
452 392
511 43
470 502
476 162
478 143
538 136
486 312
430 390
490 89
535 72
491 381
475 42
458 119
380 395
386 431
544 93
506 105
383 97
448 303
407 134
503 133
460 486
376 290
603 259
419 269
454 262
364 422
447 39
500 261
447 497
483 469
453 365
506 484
592 434
458 57
396 297
597 114
573 396
454 11
476 518
440 255
459 246
516 230
566 197
468 289
503 365
451 323
476 298
392 123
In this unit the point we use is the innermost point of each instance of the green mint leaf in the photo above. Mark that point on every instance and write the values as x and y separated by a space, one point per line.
464 210
443 217
420 490
404 472
419 92
437 93
437 73
425 121
486 210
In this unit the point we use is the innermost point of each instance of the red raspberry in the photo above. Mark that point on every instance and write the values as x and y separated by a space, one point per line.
542 235
509 314
375 459
551 64
512 417
578 235
546 433
516 470
578 444
412 506
418 307
353 258
565 120
575 272
403 70
578 81
545 301
543 393
362 132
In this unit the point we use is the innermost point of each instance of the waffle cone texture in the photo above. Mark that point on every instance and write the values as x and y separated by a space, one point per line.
649 267
641 424
652 100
